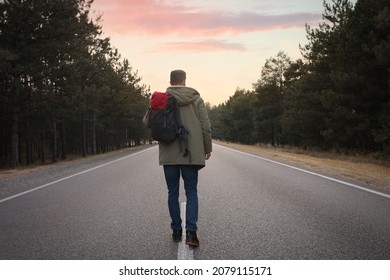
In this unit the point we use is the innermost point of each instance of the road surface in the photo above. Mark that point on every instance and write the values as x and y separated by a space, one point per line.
250 208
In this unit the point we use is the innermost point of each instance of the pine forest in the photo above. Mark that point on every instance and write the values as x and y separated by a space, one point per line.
66 90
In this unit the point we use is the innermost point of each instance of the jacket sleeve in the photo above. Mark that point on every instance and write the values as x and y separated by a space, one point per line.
206 126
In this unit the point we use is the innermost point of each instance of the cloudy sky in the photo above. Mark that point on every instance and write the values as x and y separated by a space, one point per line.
221 44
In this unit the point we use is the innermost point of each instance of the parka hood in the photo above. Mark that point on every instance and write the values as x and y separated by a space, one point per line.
184 95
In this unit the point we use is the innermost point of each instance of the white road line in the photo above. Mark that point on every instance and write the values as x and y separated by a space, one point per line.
312 173
184 252
71 176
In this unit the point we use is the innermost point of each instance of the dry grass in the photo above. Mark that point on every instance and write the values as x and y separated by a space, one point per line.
358 169
23 170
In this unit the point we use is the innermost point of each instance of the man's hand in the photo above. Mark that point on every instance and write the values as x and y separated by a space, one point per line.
207 156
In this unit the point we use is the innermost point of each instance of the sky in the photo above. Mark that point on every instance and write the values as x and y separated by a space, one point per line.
221 44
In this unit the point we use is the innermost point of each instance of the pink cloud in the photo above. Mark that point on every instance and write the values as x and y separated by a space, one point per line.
161 18
201 46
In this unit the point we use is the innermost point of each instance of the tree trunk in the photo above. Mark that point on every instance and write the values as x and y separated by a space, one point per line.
63 141
84 139
94 134
29 152
4 148
54 143
42 145
14 161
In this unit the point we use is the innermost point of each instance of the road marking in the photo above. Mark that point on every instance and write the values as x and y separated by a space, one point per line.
71 176
312 173
184 252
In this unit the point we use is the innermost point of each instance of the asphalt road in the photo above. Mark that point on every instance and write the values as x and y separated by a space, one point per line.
249 209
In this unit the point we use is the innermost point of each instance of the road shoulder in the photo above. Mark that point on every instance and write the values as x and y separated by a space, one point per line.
354 170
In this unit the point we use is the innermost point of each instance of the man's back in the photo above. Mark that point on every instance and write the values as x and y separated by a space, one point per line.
195 119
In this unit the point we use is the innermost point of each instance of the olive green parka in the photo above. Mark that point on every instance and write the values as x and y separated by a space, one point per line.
195 119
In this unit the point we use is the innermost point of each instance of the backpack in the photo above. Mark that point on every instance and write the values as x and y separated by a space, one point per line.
164 120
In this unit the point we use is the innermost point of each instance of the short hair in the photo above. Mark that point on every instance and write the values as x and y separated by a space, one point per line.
177 76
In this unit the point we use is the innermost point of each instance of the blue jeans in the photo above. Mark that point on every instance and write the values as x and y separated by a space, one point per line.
190 177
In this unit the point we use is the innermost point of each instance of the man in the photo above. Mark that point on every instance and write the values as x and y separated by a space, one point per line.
195 119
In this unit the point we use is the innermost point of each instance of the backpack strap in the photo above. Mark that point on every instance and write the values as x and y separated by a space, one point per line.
183 137
182 133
